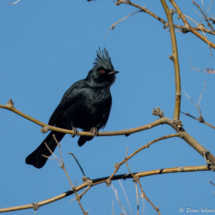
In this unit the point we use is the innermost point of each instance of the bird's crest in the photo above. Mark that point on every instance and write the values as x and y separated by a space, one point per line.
103 60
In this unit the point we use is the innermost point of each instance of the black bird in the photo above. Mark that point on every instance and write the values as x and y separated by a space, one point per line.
86 105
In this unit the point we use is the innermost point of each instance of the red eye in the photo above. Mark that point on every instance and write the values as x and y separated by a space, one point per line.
102 71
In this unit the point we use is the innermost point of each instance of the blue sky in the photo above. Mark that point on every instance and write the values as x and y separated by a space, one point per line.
45 47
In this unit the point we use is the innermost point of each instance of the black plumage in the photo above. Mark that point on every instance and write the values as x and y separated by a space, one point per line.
86 105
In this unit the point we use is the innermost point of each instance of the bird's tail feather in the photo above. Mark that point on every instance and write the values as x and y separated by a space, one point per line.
83 139
35 158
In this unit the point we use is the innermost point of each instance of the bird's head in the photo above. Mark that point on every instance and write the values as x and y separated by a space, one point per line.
103 71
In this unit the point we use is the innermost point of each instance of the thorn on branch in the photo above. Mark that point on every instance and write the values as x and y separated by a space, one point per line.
73 188
211 182
172 57
84 178
178 123
179 16
108 182
44 129
87 180
185 29
172 11
35 206
181 169
212 19
118 2
206 153
135 178
10 103
116 165
166 25
180 134
201 25
157 208
201 119
178 95
211 167
157 112
62 165
143 195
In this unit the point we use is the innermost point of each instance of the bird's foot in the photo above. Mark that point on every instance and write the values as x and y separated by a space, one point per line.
75 132
94 131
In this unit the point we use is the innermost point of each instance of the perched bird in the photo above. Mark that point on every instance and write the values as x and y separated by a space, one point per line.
86 105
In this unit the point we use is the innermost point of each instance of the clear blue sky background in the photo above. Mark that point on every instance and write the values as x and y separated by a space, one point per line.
45 47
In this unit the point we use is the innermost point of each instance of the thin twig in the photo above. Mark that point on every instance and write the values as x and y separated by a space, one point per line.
113 26
13 2
201 93
122 207
67 175
80 195
206 123
209 6
143 195
77 162
201 119
211 182
143 206
207 70
189 98
138 206
136 180
141 148
126 197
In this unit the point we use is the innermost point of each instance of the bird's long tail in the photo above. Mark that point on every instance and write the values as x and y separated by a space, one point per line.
35 158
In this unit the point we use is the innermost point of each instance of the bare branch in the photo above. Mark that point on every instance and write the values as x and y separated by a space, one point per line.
113 26
126 197
193 30
103 180
117 166
163 120
176 62
198 119
82 133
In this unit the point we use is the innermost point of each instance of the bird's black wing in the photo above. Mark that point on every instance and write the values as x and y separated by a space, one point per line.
74 94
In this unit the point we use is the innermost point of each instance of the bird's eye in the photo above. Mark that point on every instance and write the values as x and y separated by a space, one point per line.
102 71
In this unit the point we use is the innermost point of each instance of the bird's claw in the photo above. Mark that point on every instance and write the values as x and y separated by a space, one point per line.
94 131
75 132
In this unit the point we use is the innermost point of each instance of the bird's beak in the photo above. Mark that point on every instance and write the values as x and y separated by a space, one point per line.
112 72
